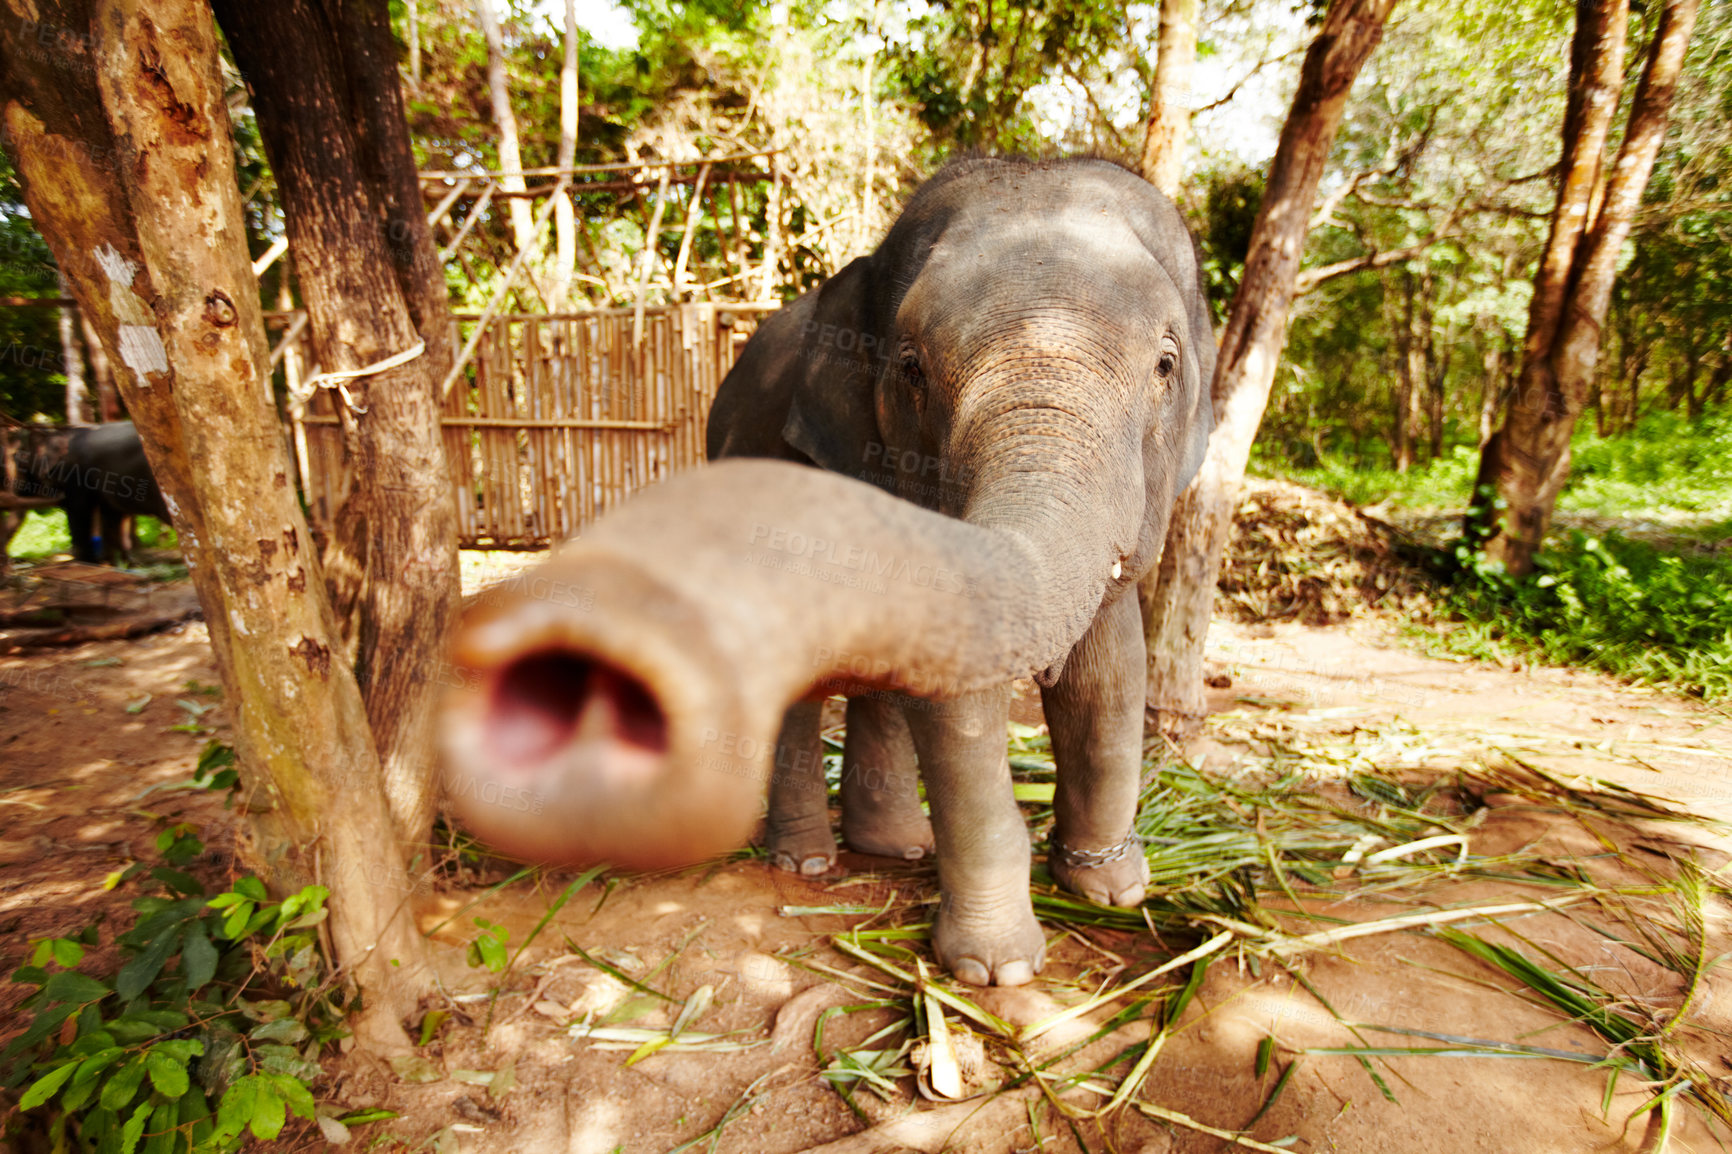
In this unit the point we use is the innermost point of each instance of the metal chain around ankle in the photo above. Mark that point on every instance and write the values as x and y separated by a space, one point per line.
1095 858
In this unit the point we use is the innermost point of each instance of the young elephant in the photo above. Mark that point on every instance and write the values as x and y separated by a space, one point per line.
1019 326
1017 381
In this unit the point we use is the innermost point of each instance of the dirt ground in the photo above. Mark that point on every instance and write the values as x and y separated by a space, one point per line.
87 731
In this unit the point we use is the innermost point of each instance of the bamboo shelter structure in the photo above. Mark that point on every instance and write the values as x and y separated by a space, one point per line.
557 418
553 413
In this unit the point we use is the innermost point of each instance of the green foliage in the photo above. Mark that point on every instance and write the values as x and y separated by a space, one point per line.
1609 603
969 70
489 946
44 535
1441 484
217 999
1231 198
32 381
1667 466
1668 462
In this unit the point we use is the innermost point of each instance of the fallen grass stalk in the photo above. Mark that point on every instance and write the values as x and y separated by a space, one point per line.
1161 1113
1323 939
1035 1030
961 1005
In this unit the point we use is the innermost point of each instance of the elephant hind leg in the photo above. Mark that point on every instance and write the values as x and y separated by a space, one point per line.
80 518
881 812
1095 715
798 829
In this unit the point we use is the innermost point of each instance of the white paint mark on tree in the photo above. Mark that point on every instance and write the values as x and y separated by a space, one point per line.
140 344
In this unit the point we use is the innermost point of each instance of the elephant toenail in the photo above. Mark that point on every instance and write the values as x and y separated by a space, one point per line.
971 971
1129 896
785 862
813 866
1014 974
914 853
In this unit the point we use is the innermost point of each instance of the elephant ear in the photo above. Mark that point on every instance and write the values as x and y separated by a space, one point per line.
832 412
1199 358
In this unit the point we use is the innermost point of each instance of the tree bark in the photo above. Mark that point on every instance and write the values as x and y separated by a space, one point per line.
1169 124
1178 602
130 177
330 115
1527 460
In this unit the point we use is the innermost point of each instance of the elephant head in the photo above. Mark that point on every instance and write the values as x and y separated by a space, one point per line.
1004 399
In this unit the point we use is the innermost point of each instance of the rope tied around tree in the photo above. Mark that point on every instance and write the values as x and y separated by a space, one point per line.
339 379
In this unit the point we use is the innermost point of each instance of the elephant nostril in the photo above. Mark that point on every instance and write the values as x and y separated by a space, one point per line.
543 701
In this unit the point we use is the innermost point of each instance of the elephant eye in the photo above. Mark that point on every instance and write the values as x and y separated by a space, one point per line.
1168 363
914 377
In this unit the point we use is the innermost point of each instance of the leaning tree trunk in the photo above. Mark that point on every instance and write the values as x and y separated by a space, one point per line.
1170 99
131 181
338 144
1178 603
510 155
1528 459
564 218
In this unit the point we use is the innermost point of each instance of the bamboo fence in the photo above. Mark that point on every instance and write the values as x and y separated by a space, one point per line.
557 417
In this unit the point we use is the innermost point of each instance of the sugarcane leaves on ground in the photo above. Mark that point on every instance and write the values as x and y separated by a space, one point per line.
1302 829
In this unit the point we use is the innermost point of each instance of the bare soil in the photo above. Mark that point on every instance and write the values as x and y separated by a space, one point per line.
78 753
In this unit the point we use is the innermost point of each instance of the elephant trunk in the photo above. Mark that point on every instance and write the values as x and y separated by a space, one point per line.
621 703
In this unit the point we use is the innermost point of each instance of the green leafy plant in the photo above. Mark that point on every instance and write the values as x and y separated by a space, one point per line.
214 1000
1612 603
488 948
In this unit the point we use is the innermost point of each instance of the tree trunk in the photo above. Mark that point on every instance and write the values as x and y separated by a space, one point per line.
339 147
564 219
131 181
72 361
1177 603
1527 460
1437 377
1401 420
510 156
1491 385
107 404
865 228
1169 123
413 10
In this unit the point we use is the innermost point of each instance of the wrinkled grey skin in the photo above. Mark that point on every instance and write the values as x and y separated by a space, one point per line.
1028 350
96 473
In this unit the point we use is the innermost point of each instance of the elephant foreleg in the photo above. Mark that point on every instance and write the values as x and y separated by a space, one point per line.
80 514
985 932
1095 715
880 796
798 829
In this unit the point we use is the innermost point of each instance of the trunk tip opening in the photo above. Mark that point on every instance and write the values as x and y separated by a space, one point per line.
542 702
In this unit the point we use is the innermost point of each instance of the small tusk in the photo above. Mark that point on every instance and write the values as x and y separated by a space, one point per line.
1118 570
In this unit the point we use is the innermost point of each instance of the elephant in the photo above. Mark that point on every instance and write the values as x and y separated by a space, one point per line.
944 468
97 473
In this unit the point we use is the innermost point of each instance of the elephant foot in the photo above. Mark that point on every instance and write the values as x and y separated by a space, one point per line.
989 943
907 836
801 848
1115 876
